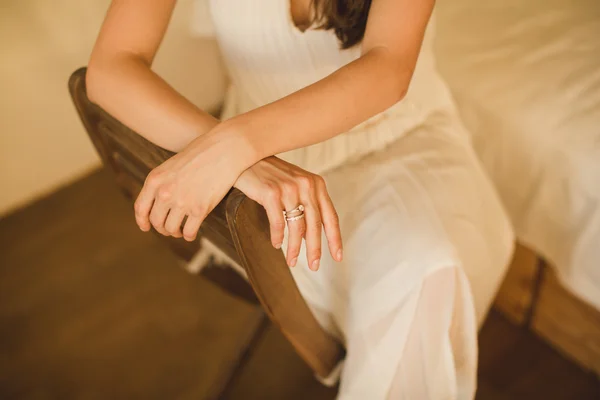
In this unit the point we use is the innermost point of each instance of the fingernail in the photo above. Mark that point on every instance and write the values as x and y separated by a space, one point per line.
315 265
293 262
278 246
339 255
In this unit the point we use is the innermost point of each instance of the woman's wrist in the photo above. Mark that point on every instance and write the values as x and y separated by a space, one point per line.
231 142
238 140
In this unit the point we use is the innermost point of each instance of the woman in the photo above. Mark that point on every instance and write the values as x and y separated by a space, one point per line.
325 85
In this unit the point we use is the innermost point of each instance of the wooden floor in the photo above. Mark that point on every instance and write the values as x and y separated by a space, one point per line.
91 308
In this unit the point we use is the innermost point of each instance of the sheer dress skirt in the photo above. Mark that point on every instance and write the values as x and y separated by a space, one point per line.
426 244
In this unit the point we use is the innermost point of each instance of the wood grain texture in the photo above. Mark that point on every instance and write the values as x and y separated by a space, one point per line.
531 296
91 307
515 364
568 323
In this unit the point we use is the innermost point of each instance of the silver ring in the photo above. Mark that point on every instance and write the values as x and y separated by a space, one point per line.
297 217
295 214
297 211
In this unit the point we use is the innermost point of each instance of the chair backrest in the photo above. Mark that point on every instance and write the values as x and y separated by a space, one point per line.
238 226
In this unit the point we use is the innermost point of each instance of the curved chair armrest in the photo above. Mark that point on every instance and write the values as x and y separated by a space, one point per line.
275 287
238 226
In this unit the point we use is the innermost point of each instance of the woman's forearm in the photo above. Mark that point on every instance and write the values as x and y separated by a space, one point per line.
129 90
349 96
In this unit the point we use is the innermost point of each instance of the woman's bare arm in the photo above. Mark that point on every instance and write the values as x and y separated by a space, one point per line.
349 96
192 182
187 184
121 81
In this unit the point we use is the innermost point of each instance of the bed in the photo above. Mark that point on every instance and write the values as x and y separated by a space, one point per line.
526 78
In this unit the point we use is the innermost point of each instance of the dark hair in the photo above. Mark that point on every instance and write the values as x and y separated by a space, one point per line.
347 18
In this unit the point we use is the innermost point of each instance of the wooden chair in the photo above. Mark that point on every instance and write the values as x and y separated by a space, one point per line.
238 226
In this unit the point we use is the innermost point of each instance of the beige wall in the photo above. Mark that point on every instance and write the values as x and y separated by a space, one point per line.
42 143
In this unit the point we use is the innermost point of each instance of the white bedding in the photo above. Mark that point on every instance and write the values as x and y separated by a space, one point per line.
526 76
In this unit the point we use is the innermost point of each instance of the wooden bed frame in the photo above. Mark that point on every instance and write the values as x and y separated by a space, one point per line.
531 296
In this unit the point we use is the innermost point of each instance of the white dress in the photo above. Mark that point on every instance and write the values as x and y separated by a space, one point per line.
426 241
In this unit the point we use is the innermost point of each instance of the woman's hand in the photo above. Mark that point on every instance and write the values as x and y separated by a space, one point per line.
278 186
190 184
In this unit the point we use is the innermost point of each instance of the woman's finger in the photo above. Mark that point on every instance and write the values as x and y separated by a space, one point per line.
296 228
313 222
143 205
331 222
274 208
190 229
158 216
173 222
313 232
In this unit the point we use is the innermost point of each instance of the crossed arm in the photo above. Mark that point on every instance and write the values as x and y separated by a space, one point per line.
120 80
